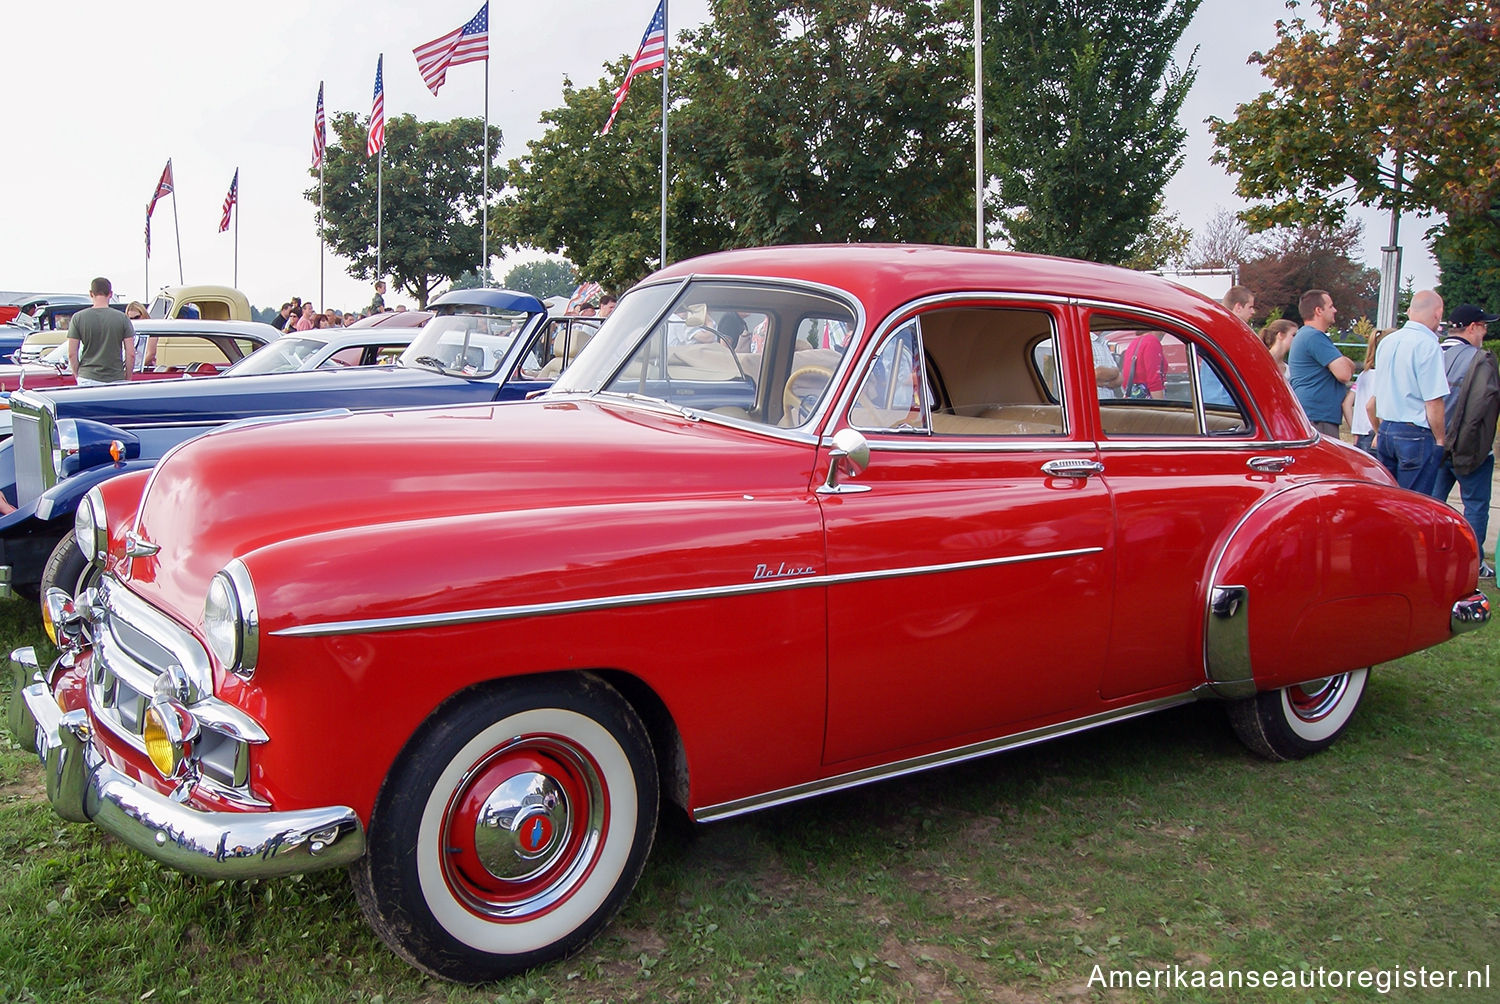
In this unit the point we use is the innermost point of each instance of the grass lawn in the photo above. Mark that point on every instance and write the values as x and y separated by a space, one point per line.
1157 843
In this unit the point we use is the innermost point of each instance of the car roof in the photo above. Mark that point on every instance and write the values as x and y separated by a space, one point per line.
884 276
197 326
394 319
496 299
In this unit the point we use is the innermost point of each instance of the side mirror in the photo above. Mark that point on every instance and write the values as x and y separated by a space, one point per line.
849 457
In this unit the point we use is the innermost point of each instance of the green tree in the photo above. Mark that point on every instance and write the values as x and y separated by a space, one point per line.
1468 252
836 121
1081 134
544 278
430 199
1377 80
1164 244
839 120
596 199
473 279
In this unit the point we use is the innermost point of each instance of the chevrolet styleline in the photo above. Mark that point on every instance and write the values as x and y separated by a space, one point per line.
796 519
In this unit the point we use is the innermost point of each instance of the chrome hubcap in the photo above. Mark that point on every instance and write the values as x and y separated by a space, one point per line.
521 826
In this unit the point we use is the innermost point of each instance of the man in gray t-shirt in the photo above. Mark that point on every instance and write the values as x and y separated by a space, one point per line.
101 340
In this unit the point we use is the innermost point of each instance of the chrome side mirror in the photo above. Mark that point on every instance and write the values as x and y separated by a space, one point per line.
849 457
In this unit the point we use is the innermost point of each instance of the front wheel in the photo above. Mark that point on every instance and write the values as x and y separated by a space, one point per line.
1296 721
511 829
67 568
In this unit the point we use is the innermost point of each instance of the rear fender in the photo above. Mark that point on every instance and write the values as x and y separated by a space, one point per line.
1333 576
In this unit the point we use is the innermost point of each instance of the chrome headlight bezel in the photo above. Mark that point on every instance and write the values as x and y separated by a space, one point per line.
91 527
231 620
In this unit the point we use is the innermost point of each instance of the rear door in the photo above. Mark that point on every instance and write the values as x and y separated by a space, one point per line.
971 561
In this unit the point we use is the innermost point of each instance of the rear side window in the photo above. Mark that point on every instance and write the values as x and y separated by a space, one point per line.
1165 383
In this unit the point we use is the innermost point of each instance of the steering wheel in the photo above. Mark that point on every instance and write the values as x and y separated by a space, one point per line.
799 404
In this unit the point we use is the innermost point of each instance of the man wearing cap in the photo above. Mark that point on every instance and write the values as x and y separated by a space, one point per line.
1472 410
101 340
1406 407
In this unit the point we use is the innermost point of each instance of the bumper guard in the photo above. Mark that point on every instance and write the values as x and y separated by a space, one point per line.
225 845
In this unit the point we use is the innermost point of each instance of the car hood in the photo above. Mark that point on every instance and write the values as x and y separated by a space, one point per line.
218 401
226 494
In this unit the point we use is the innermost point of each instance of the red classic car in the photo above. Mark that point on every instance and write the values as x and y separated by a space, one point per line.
796 519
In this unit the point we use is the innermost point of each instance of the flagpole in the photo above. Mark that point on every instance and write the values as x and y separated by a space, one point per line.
665 35
237 208
178 228
978 127
379 189
484 217
322 241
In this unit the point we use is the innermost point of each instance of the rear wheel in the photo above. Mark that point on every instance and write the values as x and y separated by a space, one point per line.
511 829
1296 721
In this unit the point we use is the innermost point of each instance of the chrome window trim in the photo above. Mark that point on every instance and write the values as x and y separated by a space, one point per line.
1206 443
1172 321
488 614
809 428
912 765
912 309
933 444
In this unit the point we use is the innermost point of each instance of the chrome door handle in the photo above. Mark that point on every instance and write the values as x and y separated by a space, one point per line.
1270 465
1072 468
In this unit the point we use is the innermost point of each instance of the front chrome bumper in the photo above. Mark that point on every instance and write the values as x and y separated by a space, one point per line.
83 787
1470 613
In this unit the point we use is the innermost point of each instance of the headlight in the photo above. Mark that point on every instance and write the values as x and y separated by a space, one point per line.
230 621
91 527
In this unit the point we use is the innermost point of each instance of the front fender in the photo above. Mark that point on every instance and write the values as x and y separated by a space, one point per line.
62 498
1332 576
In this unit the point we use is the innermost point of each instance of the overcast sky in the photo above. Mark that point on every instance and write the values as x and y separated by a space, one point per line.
100 94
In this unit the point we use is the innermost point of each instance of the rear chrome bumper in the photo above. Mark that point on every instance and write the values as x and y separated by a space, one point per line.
83 787
1470 613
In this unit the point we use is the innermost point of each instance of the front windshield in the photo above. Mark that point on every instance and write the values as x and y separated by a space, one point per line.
465 344
762 352
283 355
159 307
58 356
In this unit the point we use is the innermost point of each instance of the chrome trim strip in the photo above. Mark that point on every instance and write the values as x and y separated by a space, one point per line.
839 782
162 630
378 624
244 596
923 443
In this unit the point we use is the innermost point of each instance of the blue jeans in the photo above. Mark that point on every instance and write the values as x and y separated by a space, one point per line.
1410 453
1474 489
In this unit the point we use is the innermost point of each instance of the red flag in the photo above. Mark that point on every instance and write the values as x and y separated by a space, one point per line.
468 44
229 201
163 187
652 55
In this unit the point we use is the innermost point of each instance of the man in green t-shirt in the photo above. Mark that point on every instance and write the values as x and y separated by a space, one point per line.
101 340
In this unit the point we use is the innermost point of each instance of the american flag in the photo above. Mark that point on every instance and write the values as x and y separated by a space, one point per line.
652 55
229 201
468 44
163 187
582 294
376 138
320 131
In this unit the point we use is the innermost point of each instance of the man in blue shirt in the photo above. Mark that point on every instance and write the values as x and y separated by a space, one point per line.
1316 369
1406 407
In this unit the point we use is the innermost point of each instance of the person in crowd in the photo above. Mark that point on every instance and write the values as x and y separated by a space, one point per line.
1241 303
1316 369
607 304
1406 404
1470 414
1106 367
279 321
1357 401
377 302
305 318
136 311
101 340
1143 367
1277 338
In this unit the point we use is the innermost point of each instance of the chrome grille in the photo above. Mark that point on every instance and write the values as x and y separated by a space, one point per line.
134 645
32 431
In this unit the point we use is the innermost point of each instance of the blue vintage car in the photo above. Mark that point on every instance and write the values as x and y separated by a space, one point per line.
481 345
